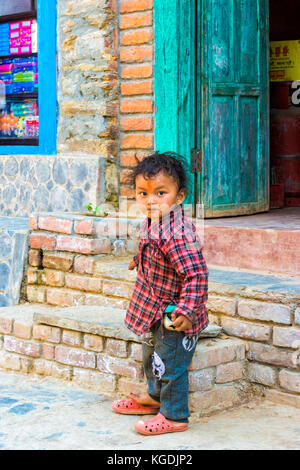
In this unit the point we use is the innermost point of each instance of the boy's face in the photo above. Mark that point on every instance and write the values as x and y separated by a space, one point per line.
156 196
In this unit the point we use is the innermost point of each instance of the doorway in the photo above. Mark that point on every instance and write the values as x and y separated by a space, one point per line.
284 104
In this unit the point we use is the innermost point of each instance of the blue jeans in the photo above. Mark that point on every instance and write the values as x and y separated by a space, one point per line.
166 361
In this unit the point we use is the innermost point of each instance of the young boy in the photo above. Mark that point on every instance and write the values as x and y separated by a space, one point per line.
171 271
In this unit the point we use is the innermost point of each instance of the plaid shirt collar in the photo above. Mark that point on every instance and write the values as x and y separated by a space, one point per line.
164 228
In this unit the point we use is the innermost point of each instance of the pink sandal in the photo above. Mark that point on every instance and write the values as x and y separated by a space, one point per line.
159 425
131 407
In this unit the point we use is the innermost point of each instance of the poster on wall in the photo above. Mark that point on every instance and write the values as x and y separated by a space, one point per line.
11 7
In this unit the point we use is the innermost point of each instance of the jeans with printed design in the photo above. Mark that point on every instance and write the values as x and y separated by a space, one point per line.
166 360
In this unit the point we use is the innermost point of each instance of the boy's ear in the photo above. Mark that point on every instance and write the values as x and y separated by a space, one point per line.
181 196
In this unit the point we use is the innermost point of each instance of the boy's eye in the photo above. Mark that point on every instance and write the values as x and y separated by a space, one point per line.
161 193
142 193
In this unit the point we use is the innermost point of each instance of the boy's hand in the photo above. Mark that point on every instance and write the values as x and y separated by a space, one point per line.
131 265
181 322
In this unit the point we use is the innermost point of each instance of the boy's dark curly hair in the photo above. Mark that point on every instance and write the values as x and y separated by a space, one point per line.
170 162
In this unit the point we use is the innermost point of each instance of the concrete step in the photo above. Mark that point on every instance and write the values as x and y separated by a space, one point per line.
91 347
14 234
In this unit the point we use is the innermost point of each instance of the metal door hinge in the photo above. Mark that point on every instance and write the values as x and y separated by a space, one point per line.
196 161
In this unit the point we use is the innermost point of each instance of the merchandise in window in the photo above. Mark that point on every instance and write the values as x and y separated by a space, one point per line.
19 107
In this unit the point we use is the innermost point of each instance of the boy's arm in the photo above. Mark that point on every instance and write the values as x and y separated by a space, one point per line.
186 256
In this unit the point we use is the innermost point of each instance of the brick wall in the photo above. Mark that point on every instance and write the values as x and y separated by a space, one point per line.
136 76
69 265
93 358
65 255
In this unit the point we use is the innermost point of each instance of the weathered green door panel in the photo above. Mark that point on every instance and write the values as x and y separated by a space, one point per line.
234 124
174 80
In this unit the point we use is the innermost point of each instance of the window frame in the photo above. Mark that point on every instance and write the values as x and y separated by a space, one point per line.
47 96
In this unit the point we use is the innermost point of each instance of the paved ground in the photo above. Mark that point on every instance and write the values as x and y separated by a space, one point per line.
38 414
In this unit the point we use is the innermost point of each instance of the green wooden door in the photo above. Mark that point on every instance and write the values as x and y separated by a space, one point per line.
211 88
174 81
233 121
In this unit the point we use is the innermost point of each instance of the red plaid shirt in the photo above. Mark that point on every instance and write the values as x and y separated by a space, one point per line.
171 270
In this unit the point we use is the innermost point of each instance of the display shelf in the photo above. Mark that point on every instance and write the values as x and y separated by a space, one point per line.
19 141
22 96
23 56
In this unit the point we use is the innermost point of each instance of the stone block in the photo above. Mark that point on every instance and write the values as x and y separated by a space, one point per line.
94 380
55 224
75 357
22 347
247 330
85 283
129 6
85 227
102 300
59 261
210 352
49 368
36 294
22 329
229 372
43 242
118 289
72 338
64 297
93 342
6 325
127 386
118 366
46 333
271 355
266 311
217 399
84 264
83 245
32 276
290 380
116 347
135 21
286 337
54 278
219 304
35 258
10 361
200 380
261 374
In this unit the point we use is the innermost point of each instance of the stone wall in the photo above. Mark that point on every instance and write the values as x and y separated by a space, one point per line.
69 265
32 183
85 167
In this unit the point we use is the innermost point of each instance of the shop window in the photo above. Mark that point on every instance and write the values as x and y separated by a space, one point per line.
27 77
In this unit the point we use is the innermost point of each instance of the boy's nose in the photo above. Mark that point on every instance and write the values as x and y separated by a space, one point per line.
151 200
